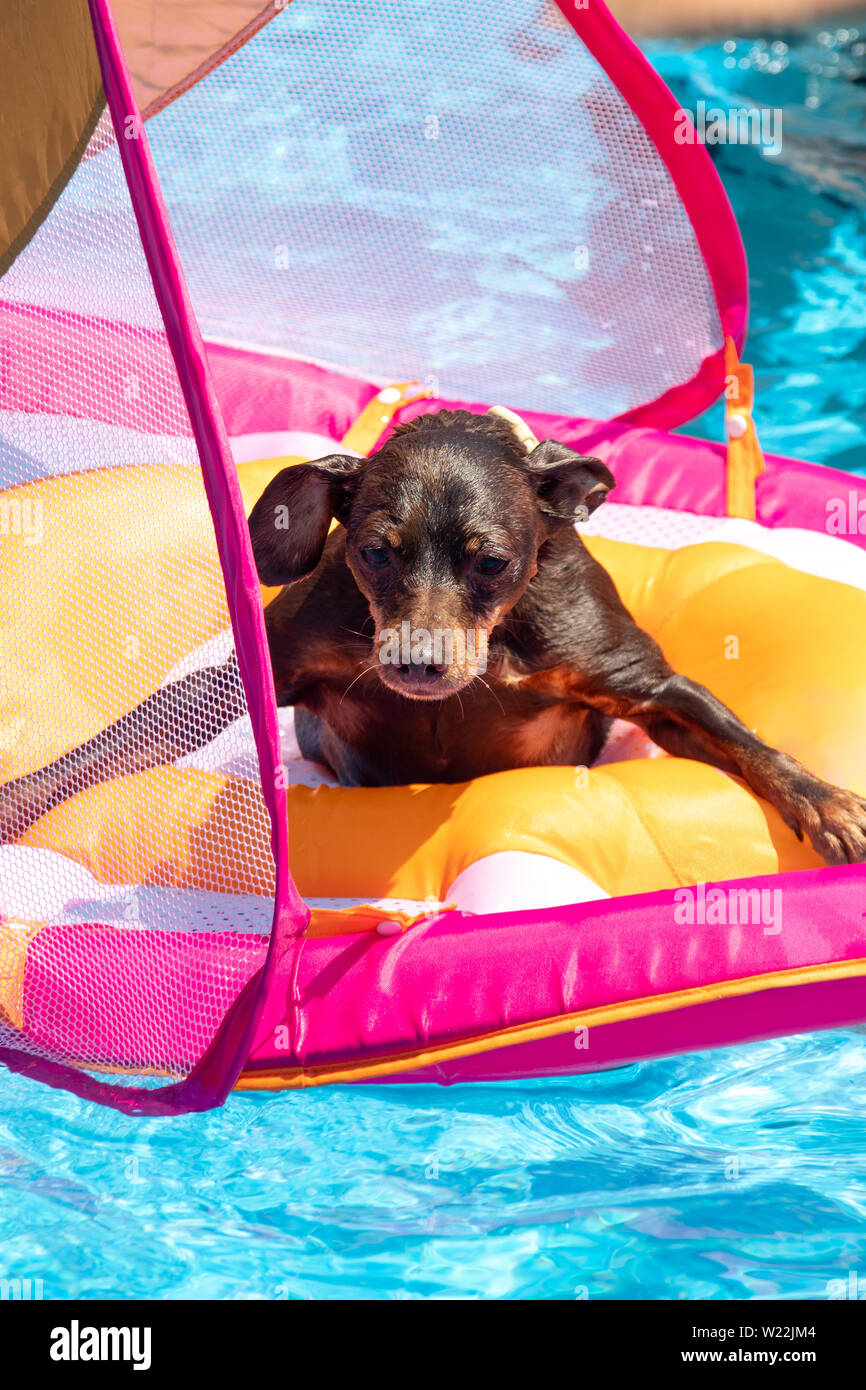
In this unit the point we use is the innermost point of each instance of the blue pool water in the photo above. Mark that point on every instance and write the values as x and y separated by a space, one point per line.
736 1174
802 216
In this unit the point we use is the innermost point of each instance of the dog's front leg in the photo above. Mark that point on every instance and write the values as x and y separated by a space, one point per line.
685 719
176 720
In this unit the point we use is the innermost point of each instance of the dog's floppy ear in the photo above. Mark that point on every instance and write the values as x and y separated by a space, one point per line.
289 523
569 485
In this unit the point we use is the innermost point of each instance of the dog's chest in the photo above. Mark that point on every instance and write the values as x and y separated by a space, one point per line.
488 728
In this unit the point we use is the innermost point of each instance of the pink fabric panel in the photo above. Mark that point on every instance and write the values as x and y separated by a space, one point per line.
258 393
720 1023
95 1025
45 369
48 370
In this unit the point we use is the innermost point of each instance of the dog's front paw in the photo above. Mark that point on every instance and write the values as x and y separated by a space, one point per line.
834 820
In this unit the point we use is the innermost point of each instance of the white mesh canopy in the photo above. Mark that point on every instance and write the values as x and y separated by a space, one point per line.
431 188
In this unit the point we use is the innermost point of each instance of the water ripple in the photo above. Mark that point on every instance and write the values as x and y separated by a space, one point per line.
736 1174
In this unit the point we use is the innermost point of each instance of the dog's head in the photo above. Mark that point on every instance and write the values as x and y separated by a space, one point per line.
444 525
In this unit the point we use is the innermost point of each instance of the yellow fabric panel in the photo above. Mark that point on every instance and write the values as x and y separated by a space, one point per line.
51 90
63 623
653 582
778 646
413 842
799 678
255 475
636 826
53 691
203 817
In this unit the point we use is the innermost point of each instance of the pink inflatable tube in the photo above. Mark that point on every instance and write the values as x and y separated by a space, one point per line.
563 990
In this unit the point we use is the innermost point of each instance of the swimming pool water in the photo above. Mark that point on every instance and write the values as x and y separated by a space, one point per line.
736 1174
740 1174
802 215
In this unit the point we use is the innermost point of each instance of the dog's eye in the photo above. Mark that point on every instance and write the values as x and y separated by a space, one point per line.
490 564
375 556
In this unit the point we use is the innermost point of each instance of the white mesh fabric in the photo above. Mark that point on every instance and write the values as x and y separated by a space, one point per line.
451 190
135 587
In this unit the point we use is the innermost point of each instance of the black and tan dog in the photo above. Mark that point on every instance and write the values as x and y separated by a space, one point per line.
451 529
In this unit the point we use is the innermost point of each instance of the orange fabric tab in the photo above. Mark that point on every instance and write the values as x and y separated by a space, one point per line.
745 460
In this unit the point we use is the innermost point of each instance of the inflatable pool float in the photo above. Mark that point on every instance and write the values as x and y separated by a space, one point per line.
236 918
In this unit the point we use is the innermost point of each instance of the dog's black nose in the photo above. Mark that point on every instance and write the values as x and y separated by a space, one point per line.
416 672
